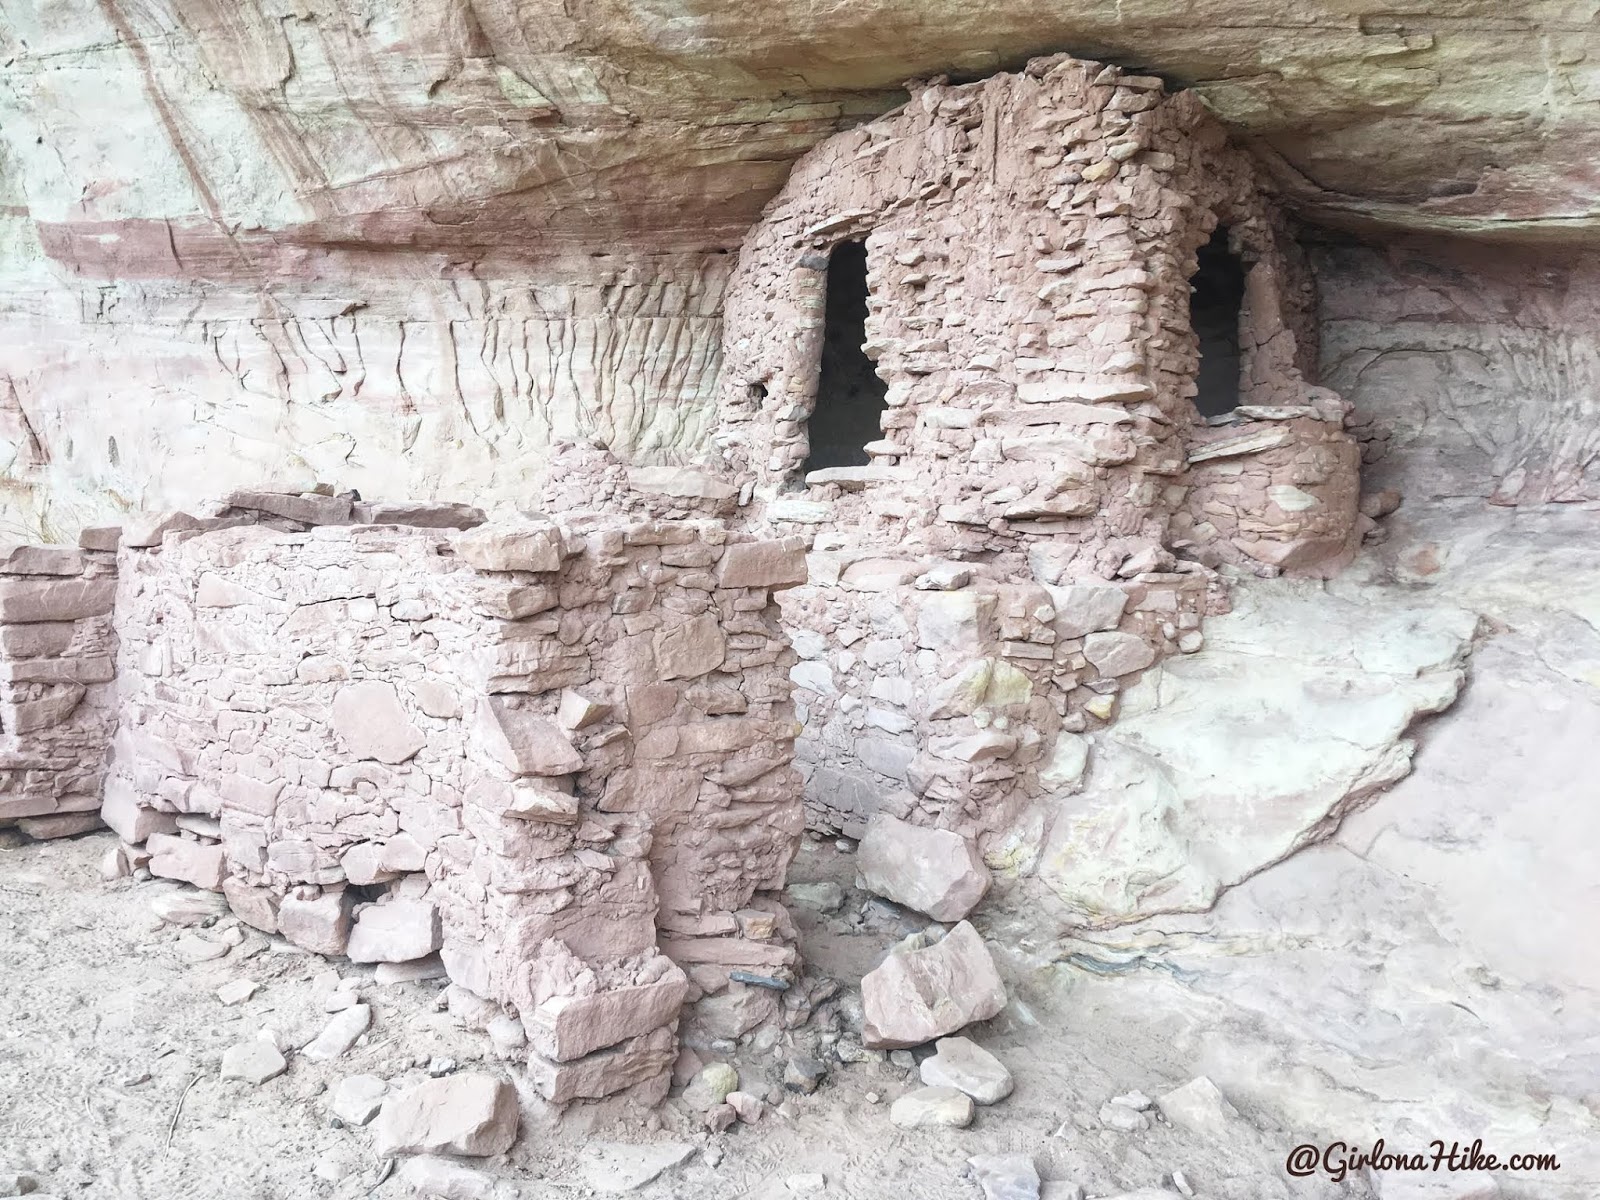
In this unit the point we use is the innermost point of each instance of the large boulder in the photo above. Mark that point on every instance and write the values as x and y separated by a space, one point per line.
931 870
922 991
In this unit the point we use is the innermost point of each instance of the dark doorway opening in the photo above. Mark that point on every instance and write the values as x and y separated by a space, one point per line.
1215 303
850 396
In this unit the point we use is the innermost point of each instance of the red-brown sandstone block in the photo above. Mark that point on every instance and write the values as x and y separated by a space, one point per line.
564 1028
26 600
776 565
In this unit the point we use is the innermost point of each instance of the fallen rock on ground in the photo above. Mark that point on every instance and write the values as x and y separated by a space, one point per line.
471 1115
1198 1107
1005 1176
934 871
711 1087
357 1099
445 1180
339 1034
255 1061
921 992
966 1066
623 1166
932 1106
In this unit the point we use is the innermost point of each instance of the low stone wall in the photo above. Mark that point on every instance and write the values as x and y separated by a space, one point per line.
57 706
559 756
936 693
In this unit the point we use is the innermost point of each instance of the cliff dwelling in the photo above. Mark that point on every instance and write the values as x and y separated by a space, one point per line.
611 603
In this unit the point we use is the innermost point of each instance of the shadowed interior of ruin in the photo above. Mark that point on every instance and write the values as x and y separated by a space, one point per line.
850 396
1214 307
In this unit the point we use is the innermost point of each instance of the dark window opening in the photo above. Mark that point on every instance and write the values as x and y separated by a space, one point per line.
850 396
1215 303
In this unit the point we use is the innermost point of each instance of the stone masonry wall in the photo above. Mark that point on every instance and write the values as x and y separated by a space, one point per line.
1029 242
57 708
1045 513
557 755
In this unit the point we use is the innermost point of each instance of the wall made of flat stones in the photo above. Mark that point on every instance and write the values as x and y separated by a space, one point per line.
57 703
1030 240
557 755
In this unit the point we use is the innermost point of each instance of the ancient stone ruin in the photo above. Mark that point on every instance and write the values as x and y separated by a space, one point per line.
743 630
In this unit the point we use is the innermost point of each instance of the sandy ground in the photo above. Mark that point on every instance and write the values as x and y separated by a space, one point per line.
111 1040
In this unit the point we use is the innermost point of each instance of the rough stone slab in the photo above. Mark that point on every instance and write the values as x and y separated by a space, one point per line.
773 565
964 1065
173 857
932 1106
623 1166
255 1061
396 931
567 1027
22 558
923 992
26 600
934 871
469 1114
605 1071
372 722
339 1034
509 548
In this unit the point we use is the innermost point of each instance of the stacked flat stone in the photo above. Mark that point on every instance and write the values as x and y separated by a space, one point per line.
958 705
57 663
557 755
1030 240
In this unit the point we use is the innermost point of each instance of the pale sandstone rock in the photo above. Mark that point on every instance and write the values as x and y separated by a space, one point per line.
1087 608
27 600
132 821
506 548
567 1027
967 1067
396 931
712 1086
934 871
691 649
339 1034
445 1179
921 992
1117 654
932 1106
372 722
1006 1176
1320 687
174 857
773 565
255 1062
1201 1109
622 1167
320 923
525 743
468 1114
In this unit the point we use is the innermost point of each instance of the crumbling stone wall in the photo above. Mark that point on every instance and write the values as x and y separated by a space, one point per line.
57 705
560 756
1029 241
1046 508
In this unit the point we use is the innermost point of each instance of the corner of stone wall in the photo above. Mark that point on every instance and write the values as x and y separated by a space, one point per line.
57 706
